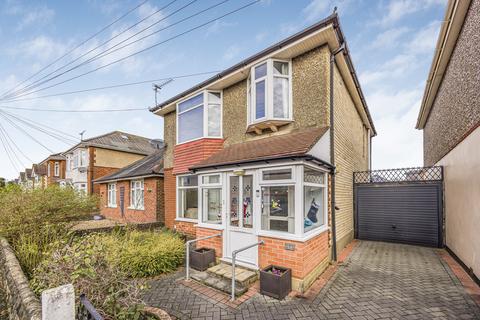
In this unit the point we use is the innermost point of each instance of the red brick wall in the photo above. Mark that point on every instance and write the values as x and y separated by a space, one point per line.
187 228
151 203
187 154
215 243
52 179
306 256
170 194
96 173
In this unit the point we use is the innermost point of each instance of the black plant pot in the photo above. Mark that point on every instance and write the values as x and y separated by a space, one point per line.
275 286
202 258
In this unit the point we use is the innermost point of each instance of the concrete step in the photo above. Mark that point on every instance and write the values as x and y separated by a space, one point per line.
243 276
219 283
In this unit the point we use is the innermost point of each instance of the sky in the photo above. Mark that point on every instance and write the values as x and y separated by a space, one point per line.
391 42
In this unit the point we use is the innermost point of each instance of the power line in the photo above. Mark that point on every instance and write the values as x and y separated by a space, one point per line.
150 47
52 134
14 166
78 46
74 138
75 111
14 144
9 151
39 82
114 86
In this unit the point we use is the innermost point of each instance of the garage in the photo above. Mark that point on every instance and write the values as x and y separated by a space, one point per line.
400 205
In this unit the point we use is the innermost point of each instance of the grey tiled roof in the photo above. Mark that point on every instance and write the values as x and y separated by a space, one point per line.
121 141
151 165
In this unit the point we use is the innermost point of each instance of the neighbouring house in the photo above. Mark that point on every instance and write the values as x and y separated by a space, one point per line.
134 193
24 179
55 167
450 120
251 153
99 156
39 175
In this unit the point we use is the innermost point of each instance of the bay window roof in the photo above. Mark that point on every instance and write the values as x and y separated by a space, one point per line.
294 144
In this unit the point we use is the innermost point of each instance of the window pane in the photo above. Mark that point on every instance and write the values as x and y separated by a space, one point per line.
280 68
278 210
280 98
212 205
188 203
279 174
190 125
211 179
234 204
260 99
261 71
214 97
247 205
188 181
313 176
190 103
214 120
314 207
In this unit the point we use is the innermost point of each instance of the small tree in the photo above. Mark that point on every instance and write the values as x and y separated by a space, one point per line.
2 182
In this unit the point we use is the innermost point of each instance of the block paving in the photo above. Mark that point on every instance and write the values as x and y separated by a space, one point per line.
377 281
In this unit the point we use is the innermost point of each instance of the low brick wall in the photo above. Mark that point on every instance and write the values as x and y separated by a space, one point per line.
21 301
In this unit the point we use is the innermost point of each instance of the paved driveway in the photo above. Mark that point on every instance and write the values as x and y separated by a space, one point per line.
378 281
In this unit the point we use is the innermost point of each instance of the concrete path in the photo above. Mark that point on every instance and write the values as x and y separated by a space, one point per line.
378 281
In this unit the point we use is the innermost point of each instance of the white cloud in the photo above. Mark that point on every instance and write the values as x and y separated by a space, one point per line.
389 38
40 48
319 9
398 9
27 15
385 104
259 37
219 26
424 41
231 52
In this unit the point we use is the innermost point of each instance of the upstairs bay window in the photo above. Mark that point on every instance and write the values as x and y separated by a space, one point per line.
200 117
269 91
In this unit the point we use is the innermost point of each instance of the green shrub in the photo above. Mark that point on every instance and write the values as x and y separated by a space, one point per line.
31 219
144 254
84 263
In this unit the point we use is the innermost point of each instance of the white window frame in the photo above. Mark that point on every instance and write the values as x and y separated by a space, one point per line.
112 195
83 158
251 94
178 188
279 181
202 218
69 162
205 105
56 169
133 194
324 185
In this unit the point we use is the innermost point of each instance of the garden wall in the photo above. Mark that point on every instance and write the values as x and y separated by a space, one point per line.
21 301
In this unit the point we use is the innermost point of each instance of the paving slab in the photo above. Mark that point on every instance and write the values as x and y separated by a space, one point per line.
377 281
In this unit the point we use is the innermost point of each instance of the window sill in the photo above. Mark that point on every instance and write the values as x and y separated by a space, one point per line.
197 139
113 207
138 209
271 124
186 220
288 236
211 226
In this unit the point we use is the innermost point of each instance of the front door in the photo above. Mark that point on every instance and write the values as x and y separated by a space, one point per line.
240 230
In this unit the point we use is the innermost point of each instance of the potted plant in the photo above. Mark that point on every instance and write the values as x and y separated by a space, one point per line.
275 282
202 258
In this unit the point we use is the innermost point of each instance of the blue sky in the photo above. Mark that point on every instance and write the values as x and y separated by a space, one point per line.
391 42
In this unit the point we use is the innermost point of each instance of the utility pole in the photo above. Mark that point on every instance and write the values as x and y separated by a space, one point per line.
158 87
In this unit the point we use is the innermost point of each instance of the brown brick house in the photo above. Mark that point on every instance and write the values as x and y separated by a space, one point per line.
39 175
99 156
55 169
134 193
254 151
450 120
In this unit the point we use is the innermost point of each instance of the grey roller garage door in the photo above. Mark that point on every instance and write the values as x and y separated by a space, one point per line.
404 211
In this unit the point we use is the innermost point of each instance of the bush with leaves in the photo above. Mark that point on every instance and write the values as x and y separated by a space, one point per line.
31 219
84 263
145 254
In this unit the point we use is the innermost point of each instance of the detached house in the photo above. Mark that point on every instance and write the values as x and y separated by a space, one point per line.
134 193
450 119
103 155
55 169
39 176
266 149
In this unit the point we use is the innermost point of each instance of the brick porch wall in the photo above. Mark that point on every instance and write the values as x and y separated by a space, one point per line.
149 214
188 154
215 243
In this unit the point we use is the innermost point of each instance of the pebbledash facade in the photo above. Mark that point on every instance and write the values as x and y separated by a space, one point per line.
249 154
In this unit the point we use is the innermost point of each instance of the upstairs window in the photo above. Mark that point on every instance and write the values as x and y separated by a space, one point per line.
200 117
269 91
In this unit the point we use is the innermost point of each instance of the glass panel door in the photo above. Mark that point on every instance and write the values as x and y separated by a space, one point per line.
241 201
247 203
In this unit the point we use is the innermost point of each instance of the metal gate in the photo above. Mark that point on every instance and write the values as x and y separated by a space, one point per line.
400 205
